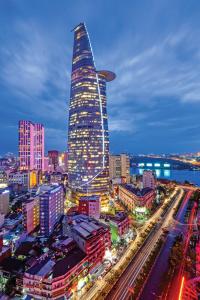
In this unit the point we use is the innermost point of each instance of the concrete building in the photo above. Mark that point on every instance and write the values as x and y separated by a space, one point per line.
31 214
149 179
4 201
121 221
92 236
28 179
90 206
51 207
134 198
50 279
119 167
31 146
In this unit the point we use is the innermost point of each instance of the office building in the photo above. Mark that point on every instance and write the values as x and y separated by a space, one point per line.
119 167
51 207
88 138
4 201
90 206
149 179
31 146
31 214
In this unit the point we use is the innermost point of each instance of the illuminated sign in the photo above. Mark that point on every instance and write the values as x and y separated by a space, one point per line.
140 209
141 164
156 165
166 165
149 164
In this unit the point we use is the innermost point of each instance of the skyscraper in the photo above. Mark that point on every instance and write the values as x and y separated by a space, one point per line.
88 137
31 146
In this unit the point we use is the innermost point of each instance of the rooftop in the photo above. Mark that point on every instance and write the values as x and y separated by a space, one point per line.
67 263
137 191
42 268
12 264
89 198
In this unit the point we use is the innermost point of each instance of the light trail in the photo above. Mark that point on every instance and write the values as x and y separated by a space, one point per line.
181 288
137 260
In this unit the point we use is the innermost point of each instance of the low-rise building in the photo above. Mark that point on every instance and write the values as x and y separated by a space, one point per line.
50 279
134 198
92 236
90 206
121 221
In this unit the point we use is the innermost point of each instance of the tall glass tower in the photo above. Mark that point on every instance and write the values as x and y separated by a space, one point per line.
88 137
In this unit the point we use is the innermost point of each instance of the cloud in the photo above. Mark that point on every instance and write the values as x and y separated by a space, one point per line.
168 68
33 64
125 121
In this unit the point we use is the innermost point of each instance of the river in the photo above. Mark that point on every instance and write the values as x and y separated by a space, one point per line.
178 175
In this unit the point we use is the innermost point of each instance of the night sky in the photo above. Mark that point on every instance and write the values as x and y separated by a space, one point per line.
152 46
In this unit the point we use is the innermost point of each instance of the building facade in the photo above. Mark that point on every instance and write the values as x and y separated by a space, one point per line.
4 201
31 214
88 137
31 146
90 206
92 237
51 208
134 198
119 167
55 280
149 179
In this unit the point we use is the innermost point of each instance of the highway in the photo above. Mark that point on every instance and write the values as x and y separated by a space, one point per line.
120 290
142 253
154 284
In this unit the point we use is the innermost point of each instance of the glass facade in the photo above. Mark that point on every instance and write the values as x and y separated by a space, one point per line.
88 136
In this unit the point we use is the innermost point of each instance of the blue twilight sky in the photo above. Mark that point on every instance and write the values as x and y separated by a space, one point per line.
152 45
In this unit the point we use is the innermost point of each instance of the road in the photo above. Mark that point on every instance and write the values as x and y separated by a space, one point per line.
120 290
153 285
102 285
174 286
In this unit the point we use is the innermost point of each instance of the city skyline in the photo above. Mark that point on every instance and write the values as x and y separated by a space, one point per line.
154 102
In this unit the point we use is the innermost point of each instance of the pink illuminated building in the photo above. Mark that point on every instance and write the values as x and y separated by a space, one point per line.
90 206
31 146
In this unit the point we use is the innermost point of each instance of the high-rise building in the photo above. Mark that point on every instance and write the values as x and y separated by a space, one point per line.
149 179
51 207
31 146
88 137
119 166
